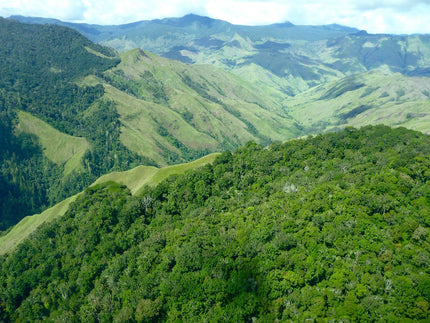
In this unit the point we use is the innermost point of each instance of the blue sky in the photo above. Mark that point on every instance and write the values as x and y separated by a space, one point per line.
383 16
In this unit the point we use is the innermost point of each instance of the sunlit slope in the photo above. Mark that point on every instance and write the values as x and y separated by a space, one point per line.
170 110
363 99
58 147
135 179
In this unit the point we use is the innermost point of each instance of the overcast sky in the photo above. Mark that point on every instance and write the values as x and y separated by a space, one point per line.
374 16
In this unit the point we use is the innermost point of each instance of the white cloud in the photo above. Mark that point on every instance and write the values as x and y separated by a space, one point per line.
248 12
383 16
65 9
125 11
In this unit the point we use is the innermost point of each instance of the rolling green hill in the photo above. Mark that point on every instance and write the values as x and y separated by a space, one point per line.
333 227
362 99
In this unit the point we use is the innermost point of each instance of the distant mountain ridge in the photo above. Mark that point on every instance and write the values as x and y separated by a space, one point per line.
287 57
284 30
197 39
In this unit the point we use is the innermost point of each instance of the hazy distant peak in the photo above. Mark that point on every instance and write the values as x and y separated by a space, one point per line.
284 24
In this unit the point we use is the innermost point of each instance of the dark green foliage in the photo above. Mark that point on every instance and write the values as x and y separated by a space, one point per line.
25 174
186 152
102 128
355 112
330 228
200 88
35 54
348 84
175 54
369 90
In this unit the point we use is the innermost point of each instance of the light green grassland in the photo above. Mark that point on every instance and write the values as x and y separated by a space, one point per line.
92 51
58 147
135 179
139 126
390 99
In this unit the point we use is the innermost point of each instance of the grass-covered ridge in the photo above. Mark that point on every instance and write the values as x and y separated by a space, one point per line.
134 179
332 227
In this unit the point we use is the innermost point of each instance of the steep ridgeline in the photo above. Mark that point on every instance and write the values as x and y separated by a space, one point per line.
53 132
329 228
285 56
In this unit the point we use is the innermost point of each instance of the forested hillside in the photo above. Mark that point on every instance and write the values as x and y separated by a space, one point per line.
334 227
39 74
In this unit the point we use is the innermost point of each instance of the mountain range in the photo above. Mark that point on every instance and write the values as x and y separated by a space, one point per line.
188 169
285 56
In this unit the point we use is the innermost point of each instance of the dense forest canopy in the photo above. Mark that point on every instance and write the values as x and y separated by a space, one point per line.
332 227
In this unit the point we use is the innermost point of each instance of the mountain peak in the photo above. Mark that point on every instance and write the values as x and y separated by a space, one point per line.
284 24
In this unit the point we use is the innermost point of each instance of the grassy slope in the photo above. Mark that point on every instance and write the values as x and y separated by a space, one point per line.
135 179
139 132
58 147
220 106
138 177
368 98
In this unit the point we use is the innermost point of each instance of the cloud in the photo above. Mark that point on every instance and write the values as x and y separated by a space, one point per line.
65 9
383 16
388 4
248 12
125 11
